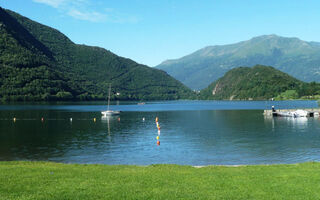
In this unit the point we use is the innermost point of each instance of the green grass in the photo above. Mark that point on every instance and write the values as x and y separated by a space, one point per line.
46 180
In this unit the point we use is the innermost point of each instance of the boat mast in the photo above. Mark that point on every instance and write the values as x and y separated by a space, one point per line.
109 95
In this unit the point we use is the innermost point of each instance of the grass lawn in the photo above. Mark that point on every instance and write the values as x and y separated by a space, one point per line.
47 180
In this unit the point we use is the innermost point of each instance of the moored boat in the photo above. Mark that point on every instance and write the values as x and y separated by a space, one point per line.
297 113
109 112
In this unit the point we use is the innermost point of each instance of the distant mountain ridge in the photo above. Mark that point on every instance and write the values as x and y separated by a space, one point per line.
38 62
291 55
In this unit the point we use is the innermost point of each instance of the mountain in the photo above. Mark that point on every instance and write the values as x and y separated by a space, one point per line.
291 55
40 63
257 83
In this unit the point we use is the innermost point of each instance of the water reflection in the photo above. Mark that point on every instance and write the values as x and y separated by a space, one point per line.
106 119
298 122
295 123
195 137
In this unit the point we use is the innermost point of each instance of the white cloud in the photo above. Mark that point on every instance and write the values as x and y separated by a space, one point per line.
87 16
53 3
86 10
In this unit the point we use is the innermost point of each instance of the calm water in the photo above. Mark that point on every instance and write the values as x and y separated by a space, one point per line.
192 132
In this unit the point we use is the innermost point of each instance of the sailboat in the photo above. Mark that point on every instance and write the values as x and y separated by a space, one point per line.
109 112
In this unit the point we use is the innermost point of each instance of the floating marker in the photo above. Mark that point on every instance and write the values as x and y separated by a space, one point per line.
42 119
94 119
158 126
70 119
14 119
143 119
119 119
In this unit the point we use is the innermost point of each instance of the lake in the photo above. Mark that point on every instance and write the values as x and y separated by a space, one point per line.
192 133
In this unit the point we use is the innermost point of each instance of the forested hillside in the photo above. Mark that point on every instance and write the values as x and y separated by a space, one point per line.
40 63
258 83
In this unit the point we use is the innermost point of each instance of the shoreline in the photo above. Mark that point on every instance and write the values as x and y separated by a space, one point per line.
155 164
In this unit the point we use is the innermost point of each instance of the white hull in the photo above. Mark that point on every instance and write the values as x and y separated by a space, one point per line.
110 113
297 113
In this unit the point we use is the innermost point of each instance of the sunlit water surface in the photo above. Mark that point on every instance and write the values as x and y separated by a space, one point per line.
192 133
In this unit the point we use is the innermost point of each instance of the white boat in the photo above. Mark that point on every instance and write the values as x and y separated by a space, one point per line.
109 112
301 113
297 113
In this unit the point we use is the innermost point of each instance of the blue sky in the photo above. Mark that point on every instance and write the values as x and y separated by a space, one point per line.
151 31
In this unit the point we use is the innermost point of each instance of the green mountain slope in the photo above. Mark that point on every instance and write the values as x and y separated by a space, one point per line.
258 82
40 63
291 55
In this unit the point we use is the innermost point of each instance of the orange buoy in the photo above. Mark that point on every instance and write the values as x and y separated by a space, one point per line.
156 119
158 142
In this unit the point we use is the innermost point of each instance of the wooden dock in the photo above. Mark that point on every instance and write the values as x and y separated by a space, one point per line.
311 111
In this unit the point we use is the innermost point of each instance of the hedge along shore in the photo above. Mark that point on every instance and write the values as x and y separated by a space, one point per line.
48 180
